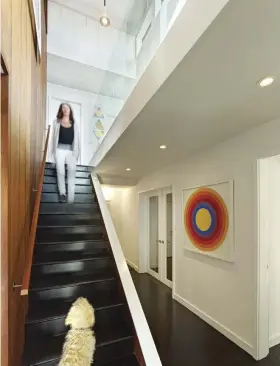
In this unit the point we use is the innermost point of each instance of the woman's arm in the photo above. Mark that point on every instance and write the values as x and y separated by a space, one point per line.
53 140
78 142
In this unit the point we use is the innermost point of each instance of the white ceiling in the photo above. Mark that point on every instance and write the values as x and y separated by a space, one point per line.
211 96
124 14
87 78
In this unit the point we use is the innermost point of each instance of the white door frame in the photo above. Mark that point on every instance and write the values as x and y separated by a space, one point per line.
165 192
157 275
262 260
144 233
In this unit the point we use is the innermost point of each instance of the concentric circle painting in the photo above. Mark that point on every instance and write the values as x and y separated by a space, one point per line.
207 220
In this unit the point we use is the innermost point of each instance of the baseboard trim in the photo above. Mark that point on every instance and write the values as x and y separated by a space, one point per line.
274 340
215 324
131 264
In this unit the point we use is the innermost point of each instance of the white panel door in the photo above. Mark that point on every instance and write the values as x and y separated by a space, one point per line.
160 239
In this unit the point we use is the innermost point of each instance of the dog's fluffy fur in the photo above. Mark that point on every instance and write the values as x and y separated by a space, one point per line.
79 344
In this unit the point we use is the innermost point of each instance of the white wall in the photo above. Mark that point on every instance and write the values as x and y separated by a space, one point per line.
113 197
83 104
223 294
77 37
273 198
121 202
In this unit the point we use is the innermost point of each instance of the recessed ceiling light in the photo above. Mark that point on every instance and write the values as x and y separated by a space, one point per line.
266 81
163 147
128 169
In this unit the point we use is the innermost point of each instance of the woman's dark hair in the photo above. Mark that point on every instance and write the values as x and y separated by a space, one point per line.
59 115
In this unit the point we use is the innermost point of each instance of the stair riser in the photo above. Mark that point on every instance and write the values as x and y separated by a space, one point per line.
78 267
114 351
98 248
52 173
53 188
69 220
111 316
105 354
51 363
79 181
79 198
104 318
60 208
71 293
79 168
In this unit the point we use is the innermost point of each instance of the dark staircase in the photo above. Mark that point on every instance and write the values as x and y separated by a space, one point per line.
73 258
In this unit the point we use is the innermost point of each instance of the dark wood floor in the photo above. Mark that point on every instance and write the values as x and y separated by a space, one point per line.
182 338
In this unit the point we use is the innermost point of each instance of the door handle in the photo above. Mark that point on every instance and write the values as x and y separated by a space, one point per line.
15 286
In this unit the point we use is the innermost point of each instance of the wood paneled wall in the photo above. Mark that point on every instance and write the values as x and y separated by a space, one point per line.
26 134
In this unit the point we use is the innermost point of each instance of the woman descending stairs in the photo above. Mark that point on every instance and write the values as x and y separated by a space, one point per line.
73 258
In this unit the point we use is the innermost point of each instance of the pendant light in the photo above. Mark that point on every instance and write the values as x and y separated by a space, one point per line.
104 20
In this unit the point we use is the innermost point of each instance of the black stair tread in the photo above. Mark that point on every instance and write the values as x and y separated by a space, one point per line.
79 198
67 225
65 257
79 181
76 193
65 208
79 168
68 237
68 220
79 174
68 279
49 309
99 242
53 188
50 348
127 361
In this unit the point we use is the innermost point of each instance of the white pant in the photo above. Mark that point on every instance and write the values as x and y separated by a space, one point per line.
62 157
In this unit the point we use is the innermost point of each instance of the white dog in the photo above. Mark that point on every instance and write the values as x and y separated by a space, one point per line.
79 344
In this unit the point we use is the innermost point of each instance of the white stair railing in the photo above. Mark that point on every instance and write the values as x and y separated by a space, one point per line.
145 338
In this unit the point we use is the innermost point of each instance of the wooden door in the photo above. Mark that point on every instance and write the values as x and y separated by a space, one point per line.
4 213
13 305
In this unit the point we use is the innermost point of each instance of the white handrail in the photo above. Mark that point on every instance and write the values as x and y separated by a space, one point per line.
145 338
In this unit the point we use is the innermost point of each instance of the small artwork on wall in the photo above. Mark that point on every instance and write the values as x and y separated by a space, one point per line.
208 220
98 127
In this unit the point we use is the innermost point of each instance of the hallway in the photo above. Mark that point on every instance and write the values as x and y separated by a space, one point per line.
184 339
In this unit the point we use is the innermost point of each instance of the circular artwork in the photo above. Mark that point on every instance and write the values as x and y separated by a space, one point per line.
206 219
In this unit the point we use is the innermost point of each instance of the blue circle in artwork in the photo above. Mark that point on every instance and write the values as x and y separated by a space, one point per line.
212 213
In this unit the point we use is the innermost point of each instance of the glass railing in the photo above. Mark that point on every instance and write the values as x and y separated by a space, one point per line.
133 53
95 68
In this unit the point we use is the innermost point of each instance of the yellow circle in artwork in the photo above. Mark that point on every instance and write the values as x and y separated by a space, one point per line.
203 219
